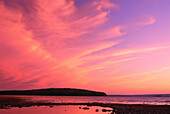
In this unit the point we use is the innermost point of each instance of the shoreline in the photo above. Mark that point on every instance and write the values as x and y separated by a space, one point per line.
11 102
117 108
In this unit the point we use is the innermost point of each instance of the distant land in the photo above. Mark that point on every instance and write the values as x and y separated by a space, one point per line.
54 92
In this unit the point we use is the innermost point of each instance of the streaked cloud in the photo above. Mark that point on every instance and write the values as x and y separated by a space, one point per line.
68 43
125 52
104 4
148 21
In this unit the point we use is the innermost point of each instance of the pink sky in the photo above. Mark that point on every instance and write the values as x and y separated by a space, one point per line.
115 46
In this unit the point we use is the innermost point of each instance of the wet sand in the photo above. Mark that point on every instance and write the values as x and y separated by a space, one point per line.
10 102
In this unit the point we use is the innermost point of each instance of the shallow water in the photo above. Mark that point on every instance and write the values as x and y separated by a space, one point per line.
103 99
54 110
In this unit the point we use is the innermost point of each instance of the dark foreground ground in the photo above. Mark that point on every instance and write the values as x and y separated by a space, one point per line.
9 102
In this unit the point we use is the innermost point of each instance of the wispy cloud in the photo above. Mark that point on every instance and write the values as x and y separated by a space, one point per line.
148 21
68 43
125 52
104 4
35 32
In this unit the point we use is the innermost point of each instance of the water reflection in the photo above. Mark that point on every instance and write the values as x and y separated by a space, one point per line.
56 110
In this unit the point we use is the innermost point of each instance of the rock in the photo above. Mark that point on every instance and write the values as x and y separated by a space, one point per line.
51 106
97 110
105 110
86 108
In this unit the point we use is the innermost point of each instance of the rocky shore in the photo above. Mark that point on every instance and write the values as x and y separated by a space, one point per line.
7 103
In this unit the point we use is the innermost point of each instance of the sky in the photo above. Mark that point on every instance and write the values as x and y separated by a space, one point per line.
115 46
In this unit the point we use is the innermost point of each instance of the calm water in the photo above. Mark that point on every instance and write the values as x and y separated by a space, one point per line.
103 99
54 110
80 99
